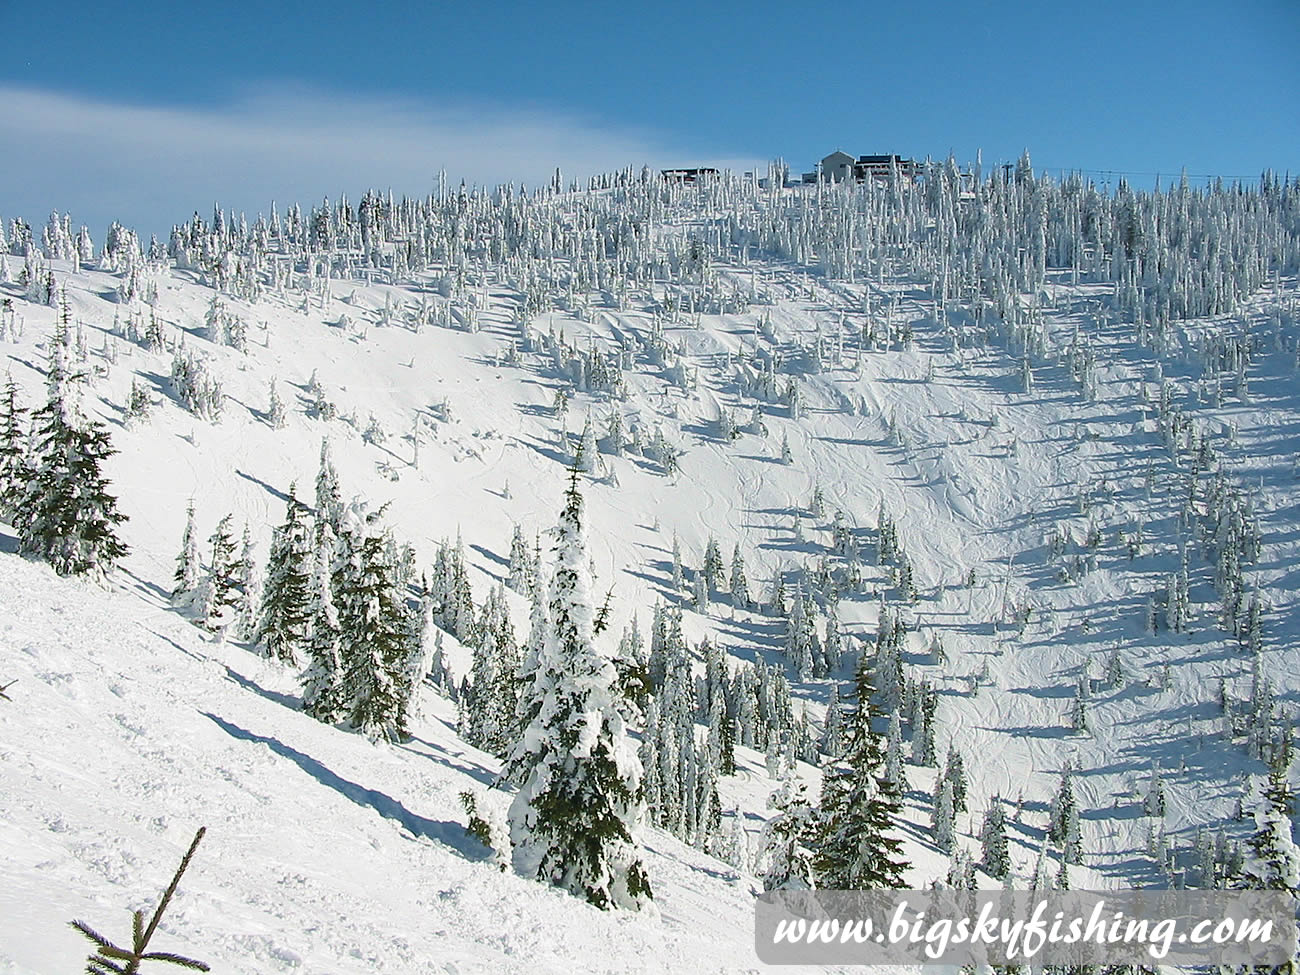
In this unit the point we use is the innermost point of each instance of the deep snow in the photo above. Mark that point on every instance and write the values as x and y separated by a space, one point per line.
128 728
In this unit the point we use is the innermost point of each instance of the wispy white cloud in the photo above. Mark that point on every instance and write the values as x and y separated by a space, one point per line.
152 165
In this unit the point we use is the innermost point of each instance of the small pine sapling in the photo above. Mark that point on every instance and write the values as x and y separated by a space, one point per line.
485 828
477 826
109 958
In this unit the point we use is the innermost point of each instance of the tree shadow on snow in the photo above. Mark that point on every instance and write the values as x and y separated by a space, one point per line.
459 760
160 596
166 639
490 555
450 834
274 492
546 451
287 700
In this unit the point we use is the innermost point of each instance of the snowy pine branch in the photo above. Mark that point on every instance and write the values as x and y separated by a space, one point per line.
108 957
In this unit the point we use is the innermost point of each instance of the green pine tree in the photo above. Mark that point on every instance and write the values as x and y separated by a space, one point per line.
14 467
224 573
852 845
68 517
575 819
283 622
374 639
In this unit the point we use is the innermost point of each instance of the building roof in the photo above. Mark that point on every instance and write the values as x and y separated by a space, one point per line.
837 157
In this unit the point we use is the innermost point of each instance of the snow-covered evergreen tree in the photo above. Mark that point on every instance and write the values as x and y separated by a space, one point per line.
373 638
727 743
195 387
67 516
786 836
188 564
833 643
322 678
1063 825
423 656
924 752
853 847
284 622
633 667
1079 712
994 855
799 638
588 456
713 569
374 432
700 599
214 329
961 870
576 818
276 414
138 403
739 583
219 589
493 700
895 772
526 707
614 439
679 579
1154 802
733 844
954 771
14 463
833 733
943 816
777 602
521 572
1039 881
248 586
1115 670
708 805
329 501
652 785
1273 859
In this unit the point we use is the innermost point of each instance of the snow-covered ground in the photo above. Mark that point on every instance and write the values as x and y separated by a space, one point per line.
127 731
127 728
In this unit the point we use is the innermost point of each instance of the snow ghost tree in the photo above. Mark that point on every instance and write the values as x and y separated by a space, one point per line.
789 862
739 583
1273 861
575 819
219 591
188 564
321 694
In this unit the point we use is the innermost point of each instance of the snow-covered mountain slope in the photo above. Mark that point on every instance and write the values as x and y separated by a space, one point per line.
1025 459
127 731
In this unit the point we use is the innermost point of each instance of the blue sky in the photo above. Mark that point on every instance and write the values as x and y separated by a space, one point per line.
145 113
